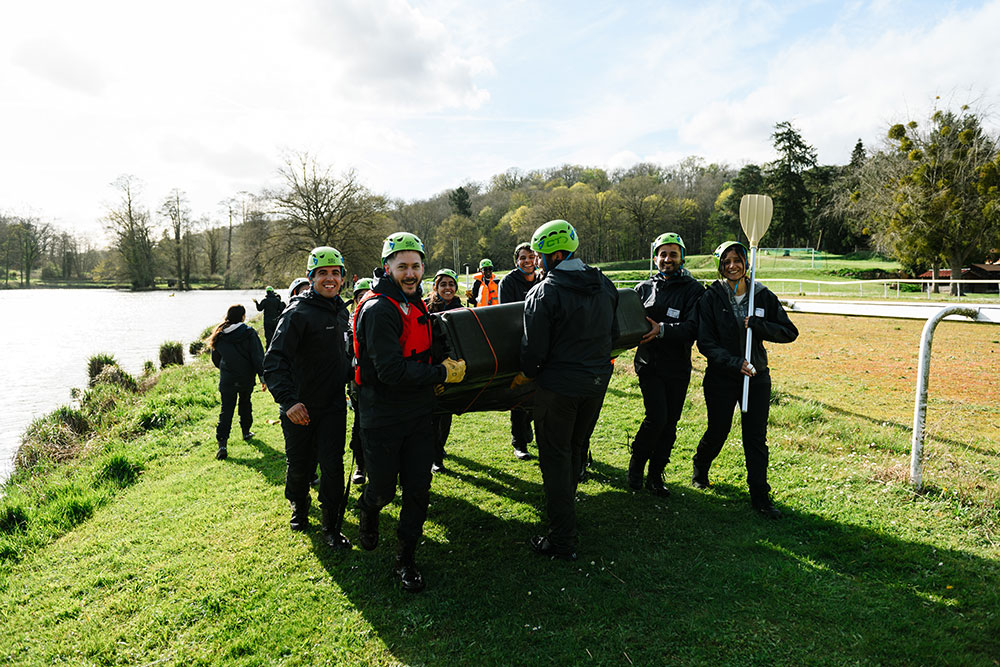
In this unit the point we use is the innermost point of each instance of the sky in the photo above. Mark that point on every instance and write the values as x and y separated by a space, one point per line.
418 97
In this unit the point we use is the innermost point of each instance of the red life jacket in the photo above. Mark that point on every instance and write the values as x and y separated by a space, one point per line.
488 294
414 340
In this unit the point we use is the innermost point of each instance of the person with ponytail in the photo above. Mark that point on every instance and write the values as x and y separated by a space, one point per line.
239 356
513 288
444 296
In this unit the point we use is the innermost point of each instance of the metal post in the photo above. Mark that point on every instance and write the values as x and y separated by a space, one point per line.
923 377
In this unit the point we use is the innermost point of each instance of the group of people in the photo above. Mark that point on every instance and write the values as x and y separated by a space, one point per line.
380 355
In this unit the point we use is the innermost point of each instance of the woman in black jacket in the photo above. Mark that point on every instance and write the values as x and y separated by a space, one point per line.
723 320
444 296
239 356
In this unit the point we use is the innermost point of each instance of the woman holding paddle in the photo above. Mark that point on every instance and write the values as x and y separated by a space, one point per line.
724 321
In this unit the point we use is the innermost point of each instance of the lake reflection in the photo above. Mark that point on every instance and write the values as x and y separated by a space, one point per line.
48 334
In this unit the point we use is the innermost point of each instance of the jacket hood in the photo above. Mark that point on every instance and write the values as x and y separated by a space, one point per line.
237 331
312 299
721 286
573 274
385 285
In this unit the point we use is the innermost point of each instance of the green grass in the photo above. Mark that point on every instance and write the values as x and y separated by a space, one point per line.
149 550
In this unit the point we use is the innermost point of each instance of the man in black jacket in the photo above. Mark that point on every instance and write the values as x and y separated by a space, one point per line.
569 322
663 360
396 380
514 287
273 306
306 369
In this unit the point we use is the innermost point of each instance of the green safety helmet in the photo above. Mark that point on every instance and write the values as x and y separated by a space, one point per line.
723 247
363 284
401 241
555 235
670 237
485 263
269 289
324 256
448 272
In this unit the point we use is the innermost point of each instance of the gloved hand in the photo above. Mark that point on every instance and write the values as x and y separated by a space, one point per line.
456 370
519 380
438 389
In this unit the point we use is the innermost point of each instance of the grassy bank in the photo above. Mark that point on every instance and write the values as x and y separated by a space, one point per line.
193 563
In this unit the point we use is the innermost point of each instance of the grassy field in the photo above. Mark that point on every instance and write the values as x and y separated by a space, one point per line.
194 563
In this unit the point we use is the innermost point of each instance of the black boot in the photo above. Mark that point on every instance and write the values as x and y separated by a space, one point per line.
358 476
222 453
331 531
368 530
699 478
761 503
406 569
636 466
654 481
300 514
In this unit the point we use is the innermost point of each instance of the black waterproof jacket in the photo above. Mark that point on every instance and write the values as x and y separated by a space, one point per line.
272 305
569 324
307 360
722 336
239 356
393 389
673 302
514 286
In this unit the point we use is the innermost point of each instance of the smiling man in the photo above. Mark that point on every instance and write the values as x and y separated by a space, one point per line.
396 379
306 368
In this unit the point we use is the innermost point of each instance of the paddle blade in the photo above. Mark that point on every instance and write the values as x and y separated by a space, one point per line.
755 216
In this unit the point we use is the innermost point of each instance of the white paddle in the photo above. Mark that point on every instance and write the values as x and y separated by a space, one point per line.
755 217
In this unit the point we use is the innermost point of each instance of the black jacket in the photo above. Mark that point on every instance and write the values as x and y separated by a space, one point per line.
272 305
307 360
514 286
569 324
239 356
722 336
393 389
673 302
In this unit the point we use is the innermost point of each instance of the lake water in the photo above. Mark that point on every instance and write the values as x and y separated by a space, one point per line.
48 334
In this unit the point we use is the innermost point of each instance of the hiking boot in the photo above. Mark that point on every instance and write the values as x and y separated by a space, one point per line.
222 453
247 435
410 578
331 532
368 530
541 545
300 515
315 481
656 486
358 476
636 467
522 453
699 479
763 506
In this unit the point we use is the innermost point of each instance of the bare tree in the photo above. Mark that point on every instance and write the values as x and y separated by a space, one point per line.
213 248
175 209
128 221
33 238
316 208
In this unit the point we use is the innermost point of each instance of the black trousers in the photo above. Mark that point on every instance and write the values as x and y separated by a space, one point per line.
322 441
722 395
404 451
663 397
442 429
356 447
229 398
269 328
563 425
520 428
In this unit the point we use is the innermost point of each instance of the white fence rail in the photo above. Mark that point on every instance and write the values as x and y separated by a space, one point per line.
865 288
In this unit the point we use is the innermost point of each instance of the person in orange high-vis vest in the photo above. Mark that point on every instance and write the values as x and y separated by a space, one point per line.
485 288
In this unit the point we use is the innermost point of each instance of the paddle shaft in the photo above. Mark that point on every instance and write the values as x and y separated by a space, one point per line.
753 276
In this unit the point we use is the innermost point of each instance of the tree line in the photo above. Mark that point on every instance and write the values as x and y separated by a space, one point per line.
927 196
